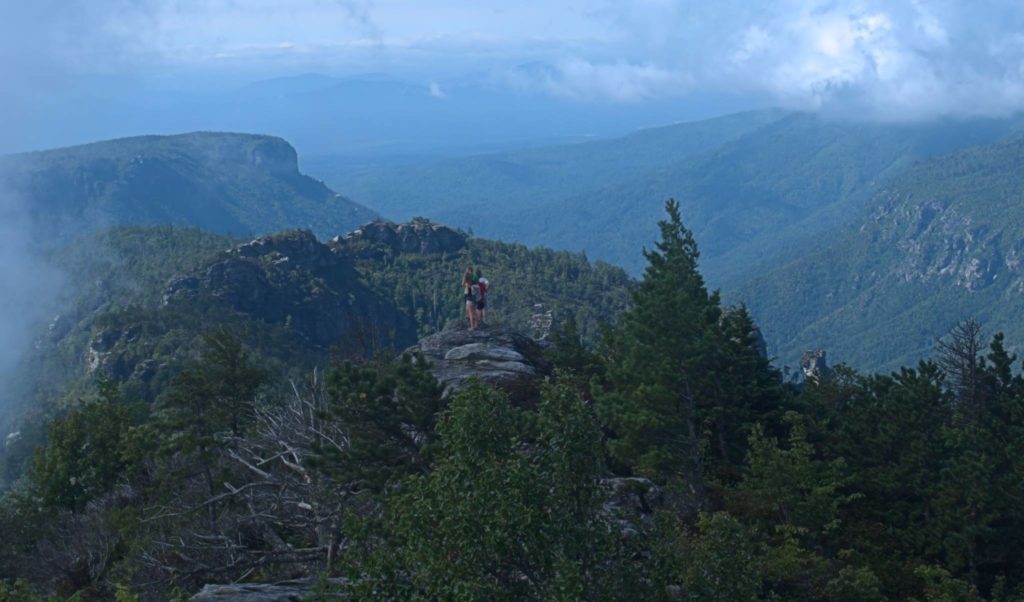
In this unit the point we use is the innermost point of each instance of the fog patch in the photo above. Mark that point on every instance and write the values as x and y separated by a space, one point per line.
29 288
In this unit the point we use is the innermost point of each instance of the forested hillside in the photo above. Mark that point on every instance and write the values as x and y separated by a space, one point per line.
228 183
755 187
669 462
940 242
141 298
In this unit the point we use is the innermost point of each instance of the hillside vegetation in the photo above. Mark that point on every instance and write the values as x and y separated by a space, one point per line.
141 298
755 187
940 242
228 183
669 462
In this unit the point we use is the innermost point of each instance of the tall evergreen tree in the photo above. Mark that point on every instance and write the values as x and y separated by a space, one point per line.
680 376
388 413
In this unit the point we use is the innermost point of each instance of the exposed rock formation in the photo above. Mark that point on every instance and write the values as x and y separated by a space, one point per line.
541 322
631 501
814 365
285 591
500 357
419 236
294 280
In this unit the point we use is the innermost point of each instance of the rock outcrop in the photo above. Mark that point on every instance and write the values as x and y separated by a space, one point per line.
285 591
814 365
507 359
419 236
631 501
294 280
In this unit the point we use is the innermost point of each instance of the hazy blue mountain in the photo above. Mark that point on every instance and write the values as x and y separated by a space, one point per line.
228 183
941 242
358 114
525 178
752 185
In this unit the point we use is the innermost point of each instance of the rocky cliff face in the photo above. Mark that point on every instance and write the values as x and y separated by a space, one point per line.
507 359
293 280
942 241
419 236
289 282
221 182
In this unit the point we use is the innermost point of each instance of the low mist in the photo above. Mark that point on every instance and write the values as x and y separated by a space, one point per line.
45 46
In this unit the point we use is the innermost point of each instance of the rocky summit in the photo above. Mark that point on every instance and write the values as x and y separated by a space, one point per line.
419 236
494 355
294 280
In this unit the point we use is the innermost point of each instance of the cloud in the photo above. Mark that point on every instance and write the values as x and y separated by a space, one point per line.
888 59
435 91
44 45
29 283
580 79
892 59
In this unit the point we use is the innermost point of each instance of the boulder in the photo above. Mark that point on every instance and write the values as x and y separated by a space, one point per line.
501 357
284 591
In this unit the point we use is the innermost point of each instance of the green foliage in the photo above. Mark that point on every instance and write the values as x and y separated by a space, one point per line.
18 591
211 395
855 584
388 413
85 455
879 292
680 375
941 586
511 509
717 559
428 286
789 487
850 487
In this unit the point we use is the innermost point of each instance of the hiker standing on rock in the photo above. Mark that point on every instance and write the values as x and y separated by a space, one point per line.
471 290
481 301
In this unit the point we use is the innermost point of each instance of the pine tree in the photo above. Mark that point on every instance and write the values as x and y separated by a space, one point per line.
84 455
684 382
388 414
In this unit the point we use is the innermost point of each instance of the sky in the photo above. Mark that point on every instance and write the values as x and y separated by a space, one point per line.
891 60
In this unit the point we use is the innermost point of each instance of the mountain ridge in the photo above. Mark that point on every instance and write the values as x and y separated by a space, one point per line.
940 243
752 192
224 182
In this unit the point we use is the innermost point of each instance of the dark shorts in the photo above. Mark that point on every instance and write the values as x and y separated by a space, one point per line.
469 298
481 304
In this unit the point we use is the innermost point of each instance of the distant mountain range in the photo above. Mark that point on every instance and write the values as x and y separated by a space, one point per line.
868 240
358 115
228 183
753 186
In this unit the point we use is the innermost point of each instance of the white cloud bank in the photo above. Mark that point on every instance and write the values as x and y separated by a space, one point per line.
895 59
891 59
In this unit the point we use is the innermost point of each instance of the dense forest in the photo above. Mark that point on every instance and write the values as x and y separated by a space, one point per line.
666 458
